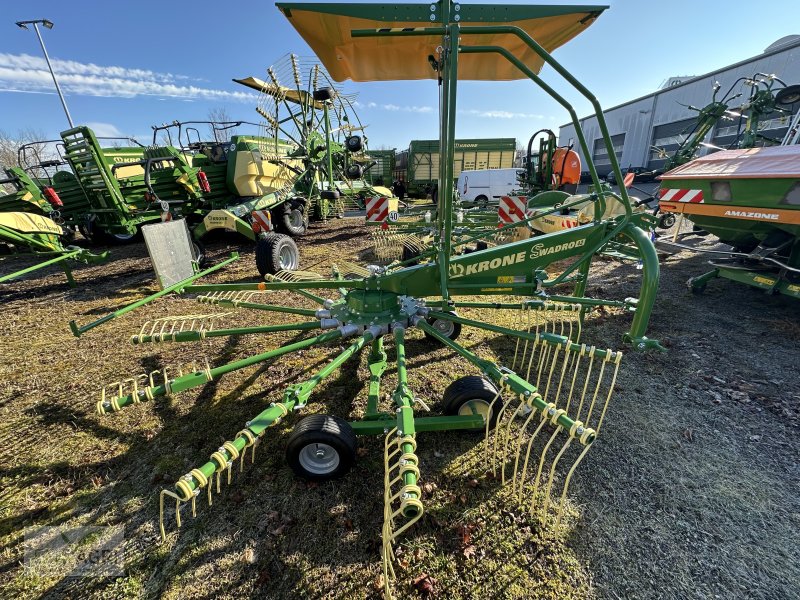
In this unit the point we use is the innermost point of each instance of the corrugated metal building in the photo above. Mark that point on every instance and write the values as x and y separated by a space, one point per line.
662 119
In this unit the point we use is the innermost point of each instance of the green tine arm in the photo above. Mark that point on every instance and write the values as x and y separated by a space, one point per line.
78 331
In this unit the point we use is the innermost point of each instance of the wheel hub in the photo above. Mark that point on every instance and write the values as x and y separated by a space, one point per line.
319 458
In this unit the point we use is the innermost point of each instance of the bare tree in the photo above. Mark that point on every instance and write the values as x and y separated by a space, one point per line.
10 144
220 114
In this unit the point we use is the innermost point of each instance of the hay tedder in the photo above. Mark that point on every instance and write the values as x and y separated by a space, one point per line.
539 399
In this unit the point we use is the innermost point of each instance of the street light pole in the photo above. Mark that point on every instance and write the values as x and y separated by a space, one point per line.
49 25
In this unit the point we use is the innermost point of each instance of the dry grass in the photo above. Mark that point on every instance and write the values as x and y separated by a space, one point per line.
690 492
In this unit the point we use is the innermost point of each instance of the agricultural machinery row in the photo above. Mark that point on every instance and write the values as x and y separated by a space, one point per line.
307 162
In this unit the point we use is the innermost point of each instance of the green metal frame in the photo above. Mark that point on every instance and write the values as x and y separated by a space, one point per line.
390 302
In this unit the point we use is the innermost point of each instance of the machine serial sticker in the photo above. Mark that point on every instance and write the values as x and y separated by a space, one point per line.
511 279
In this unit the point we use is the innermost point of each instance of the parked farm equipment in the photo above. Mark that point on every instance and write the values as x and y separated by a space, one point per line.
749 198
24 233
540 399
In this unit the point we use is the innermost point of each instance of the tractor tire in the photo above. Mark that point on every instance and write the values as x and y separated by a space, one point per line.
447 329
291 219
276 252
472 393
321 448
120 239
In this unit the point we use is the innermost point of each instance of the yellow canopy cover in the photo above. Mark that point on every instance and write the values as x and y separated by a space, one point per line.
326 28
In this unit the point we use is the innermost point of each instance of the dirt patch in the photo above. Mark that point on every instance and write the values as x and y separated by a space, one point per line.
689 492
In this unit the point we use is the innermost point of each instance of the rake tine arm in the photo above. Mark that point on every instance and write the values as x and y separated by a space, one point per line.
198 378
195 336
261 286
300 392
505 378
307 312
551 338
318 299
178 287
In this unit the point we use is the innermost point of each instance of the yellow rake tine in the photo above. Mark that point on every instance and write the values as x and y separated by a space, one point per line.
534 435
567 480
552 473
542 458
523 429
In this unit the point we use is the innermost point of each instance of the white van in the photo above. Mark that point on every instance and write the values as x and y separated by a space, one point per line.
486 185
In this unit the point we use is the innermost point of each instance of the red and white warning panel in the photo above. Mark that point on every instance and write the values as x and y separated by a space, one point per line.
262 221
511 209
678 195
381 209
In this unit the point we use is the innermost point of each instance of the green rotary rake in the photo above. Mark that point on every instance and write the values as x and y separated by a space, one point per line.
34 235
540 394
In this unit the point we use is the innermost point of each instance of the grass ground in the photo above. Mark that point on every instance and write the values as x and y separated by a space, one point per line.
689 492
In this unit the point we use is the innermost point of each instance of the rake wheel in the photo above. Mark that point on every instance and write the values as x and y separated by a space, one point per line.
321 447
472 394
449 329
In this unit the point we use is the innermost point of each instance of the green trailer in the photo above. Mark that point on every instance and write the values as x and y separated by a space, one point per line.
422 165
382 171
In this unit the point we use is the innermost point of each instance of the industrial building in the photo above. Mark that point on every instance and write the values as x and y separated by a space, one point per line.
646 130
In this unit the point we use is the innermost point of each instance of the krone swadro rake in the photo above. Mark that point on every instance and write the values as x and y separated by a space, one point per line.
537 391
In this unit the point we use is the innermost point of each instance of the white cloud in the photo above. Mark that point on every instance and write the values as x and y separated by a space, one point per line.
29 74
104 129
500 114
394 107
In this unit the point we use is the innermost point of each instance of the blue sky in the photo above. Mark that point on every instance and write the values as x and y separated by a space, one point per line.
126 66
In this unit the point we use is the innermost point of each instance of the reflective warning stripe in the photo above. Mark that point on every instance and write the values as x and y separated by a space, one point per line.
377 209
262 220
511 209
679 195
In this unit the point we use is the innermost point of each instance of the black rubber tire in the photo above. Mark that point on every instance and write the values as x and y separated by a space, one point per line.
323 94
788 95
290 218
471 387
482 200
268 253
200 253
122 239
329 194
332 431
452 334
666 220
354 143
354 171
